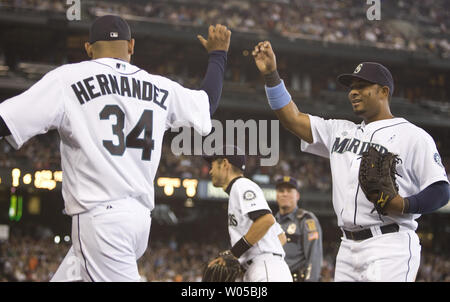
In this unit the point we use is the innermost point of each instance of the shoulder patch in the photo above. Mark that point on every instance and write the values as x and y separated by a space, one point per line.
437 159
311 225
249 195
313 236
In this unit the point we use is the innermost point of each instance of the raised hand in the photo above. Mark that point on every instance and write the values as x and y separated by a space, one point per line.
264 57
218 38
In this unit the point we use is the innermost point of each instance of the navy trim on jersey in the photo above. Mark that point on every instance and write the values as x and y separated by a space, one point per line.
228 189
81 249
357 191
267 273
116 69
258 213
4 130
410 255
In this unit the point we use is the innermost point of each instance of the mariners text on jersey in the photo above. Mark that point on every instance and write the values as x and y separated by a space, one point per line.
354 145
93 87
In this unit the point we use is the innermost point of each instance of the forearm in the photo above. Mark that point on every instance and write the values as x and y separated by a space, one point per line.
428 200
259 228
286 110
213 82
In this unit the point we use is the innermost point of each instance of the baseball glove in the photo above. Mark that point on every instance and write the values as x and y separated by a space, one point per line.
224 268
377 177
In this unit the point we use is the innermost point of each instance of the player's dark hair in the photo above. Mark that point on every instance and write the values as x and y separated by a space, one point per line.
233 167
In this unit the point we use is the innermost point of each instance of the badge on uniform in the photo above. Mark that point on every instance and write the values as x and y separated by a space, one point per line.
291 228
249 195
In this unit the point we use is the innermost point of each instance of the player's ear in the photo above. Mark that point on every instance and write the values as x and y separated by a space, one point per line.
88 48
131 46
385 92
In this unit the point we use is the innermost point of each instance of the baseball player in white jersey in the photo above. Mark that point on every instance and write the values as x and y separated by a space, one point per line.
256 238
111 117
374 247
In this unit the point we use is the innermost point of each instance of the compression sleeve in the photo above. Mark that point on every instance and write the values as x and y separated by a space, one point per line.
213 81
429 199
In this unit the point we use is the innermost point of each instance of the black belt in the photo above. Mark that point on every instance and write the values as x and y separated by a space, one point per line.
251 260
366 234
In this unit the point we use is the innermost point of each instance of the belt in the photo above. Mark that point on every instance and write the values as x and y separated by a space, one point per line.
249 262
367 233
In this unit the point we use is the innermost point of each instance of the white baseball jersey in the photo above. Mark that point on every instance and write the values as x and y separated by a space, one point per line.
245 197
111 117
343 142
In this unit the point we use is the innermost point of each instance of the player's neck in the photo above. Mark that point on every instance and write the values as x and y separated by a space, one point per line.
385 115
113 55
230 179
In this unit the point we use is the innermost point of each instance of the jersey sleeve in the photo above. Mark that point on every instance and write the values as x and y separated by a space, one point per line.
189 108
425 162
35 111
251 198
322 132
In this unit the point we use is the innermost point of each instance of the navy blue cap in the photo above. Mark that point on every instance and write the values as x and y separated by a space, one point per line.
109 28
287 180
371 72
232 153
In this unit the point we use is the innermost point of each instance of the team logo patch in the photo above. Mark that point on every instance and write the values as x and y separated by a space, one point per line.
358 68
291 228
311 225
437 159
249 195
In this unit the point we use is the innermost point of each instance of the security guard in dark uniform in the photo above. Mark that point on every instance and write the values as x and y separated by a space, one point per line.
304 234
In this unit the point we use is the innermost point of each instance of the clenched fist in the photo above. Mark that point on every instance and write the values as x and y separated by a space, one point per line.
264 57
218 38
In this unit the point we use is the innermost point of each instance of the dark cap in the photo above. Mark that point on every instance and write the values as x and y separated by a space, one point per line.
287 180
109 28
233 154
371 72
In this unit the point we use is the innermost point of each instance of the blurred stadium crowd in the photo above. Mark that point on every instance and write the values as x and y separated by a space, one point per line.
409 25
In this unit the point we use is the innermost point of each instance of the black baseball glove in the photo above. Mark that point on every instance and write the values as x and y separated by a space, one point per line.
377 177
224 268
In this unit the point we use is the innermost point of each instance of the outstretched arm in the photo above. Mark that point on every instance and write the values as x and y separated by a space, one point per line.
279 99
217 46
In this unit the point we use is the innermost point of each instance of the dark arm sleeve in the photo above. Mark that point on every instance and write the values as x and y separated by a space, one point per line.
213 81
4 131
256 214
429 199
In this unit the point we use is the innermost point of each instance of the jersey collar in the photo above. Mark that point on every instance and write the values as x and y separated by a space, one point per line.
382 123
228 189
118 65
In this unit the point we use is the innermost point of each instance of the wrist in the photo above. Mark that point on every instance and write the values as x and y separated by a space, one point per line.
240 247
272 78
278 96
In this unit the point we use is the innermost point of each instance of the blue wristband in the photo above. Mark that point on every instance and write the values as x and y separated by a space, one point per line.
278 96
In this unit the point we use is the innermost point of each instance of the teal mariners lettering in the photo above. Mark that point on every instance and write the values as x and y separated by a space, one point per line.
354 145
93 87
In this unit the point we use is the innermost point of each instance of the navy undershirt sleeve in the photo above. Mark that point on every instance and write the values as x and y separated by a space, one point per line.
213 81
256 214
4 130
429 199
